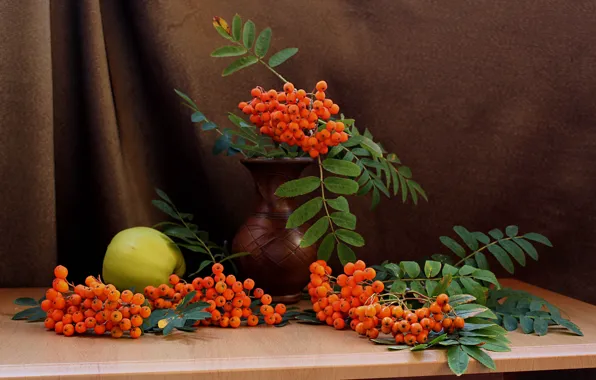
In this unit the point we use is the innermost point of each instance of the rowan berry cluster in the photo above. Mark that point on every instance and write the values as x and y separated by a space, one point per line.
293 116
229 299
93 308
362 304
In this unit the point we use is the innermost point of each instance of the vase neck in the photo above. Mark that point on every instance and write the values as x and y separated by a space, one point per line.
268 176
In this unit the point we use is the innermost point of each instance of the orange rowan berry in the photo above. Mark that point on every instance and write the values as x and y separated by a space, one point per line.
411 317
360 329
255 92
404 326
288 87
435 308
59 303
447 322
442 299
99 329
60 285
77 317
234 322
135 332
252 320
96 304
46 305
349 269
57 315
410 339
339 324
67 318
90 280
49 323
101 317
321 86
378 286
267 310
230 280
116 316
196 283
280 308
136 320
270 319
422 337
416 328
459 323
237 287
125 312
334 109
145 312
236 312
138 299
67 330
228 294
116 332
124 324
422 313
320 95
126 296
427 323
60 272
134 309
446 308
208 282
278 318
437 327
90 322
266 299
81 327
220 287
220 301
258 293
373 333
98 288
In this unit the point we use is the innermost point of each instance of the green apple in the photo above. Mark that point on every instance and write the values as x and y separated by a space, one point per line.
141 256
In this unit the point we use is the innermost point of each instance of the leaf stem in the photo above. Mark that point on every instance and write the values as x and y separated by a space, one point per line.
273 71
480 249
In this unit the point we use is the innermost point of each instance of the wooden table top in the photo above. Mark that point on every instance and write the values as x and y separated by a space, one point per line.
296 351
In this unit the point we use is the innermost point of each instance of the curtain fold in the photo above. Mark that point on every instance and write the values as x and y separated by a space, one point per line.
491 103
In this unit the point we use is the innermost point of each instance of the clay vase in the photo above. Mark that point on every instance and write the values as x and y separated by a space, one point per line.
276 263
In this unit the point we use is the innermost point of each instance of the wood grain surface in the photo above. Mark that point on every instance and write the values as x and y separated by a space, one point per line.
294 352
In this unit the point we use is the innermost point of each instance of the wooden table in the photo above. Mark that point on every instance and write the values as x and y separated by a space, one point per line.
295 352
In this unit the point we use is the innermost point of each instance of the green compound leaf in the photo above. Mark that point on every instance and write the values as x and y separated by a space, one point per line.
298 187
457 359
538 238
344 219
339 204
511 231
502 257
431 268
315 232
343 186
341 167
411 268
305 212
240 64
351 237
263 42
229 51
326 247
236 27
248 34
480 356
282 56
454 246
345 254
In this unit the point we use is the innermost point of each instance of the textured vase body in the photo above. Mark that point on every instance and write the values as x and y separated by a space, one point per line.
276 263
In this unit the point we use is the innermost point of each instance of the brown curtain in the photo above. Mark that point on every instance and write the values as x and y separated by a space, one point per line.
491 102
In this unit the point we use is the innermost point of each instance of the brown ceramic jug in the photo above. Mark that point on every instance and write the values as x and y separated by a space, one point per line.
276 263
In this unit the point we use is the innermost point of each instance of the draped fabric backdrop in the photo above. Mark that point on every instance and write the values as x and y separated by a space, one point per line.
491 102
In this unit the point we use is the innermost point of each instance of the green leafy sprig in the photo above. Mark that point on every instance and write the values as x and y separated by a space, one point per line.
33 314
187 235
